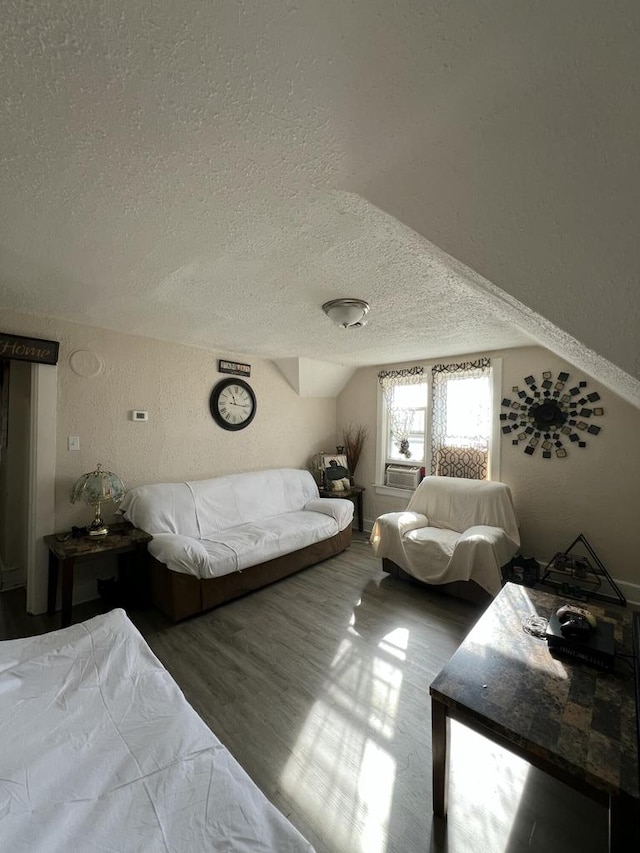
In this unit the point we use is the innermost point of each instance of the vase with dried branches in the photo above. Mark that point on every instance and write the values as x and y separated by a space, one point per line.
354 437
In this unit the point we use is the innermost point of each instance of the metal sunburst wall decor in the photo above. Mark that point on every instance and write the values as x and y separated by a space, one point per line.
550 413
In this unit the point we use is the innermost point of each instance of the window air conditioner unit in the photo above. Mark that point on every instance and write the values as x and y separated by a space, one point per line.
402 477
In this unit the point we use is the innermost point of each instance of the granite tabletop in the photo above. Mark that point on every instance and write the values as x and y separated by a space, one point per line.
122 536
579 718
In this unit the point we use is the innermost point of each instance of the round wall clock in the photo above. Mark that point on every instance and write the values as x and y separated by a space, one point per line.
233 404
550 413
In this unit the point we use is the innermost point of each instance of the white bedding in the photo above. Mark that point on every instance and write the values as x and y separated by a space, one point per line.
100 751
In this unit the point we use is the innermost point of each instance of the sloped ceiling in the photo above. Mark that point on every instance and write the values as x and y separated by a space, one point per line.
211 173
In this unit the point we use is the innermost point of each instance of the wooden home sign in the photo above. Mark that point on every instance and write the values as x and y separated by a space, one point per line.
235 367
28 349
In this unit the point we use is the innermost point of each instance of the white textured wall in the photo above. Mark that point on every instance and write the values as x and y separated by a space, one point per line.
172 382
594 490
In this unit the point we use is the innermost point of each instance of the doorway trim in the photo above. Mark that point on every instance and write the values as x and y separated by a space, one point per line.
42 477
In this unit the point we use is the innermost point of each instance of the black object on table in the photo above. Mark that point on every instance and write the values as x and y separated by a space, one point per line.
353 494
123 539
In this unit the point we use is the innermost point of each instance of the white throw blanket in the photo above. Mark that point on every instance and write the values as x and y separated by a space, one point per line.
453 529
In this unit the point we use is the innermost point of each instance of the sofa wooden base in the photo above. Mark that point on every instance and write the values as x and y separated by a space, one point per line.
178 595
467 590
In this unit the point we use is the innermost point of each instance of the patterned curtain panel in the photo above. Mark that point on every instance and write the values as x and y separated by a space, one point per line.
461 419
461 462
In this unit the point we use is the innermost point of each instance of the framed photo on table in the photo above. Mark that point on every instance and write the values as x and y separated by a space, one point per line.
334 467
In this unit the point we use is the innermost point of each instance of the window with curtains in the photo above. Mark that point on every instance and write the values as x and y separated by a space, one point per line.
440 418
404 415
461 418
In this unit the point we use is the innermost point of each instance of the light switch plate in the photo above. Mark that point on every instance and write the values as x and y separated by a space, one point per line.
74 442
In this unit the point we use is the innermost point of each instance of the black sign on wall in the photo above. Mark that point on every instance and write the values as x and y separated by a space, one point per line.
28 349
236 367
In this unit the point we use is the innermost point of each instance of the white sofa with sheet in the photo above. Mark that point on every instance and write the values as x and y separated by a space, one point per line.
219 538
453 531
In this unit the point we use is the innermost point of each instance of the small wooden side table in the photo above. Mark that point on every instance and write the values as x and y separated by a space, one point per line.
123 539
354 494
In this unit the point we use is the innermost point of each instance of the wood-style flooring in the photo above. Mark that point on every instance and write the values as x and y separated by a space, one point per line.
319 686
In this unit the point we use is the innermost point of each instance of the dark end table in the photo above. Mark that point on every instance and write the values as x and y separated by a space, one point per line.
565 717
353 494
123 539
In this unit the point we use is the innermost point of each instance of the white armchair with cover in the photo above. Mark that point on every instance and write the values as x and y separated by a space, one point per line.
455 533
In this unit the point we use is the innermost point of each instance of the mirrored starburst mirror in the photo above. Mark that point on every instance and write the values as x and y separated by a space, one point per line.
551 415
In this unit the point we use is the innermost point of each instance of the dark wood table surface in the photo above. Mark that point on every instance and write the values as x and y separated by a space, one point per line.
122 539
564 716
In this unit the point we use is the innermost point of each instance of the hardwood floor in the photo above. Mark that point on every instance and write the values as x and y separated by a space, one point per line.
319 685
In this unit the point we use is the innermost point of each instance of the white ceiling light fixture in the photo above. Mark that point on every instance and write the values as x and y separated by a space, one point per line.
347 313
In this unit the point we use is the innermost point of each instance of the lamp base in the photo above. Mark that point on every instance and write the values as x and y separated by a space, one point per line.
98 530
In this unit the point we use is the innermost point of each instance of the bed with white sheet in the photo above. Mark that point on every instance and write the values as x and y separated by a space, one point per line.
100 751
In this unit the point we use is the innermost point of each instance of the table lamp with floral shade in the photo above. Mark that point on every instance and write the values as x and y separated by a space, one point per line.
96 488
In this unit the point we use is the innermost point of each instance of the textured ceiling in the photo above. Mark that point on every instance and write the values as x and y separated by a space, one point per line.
212 172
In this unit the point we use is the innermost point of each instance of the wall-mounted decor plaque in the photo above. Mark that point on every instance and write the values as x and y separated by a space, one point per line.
235 367
550 415
28 349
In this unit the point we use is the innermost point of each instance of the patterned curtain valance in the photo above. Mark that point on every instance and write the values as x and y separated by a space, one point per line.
462 366
405 376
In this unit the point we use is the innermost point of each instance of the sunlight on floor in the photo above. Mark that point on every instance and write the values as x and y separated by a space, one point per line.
375 788
486 784
396 643
498 803
341 772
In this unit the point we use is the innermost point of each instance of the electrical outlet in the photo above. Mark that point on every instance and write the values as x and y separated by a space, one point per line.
74 442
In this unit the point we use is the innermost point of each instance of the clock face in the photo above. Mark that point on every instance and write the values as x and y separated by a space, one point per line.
233 404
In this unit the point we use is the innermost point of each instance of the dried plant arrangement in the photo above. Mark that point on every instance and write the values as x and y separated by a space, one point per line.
354 437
